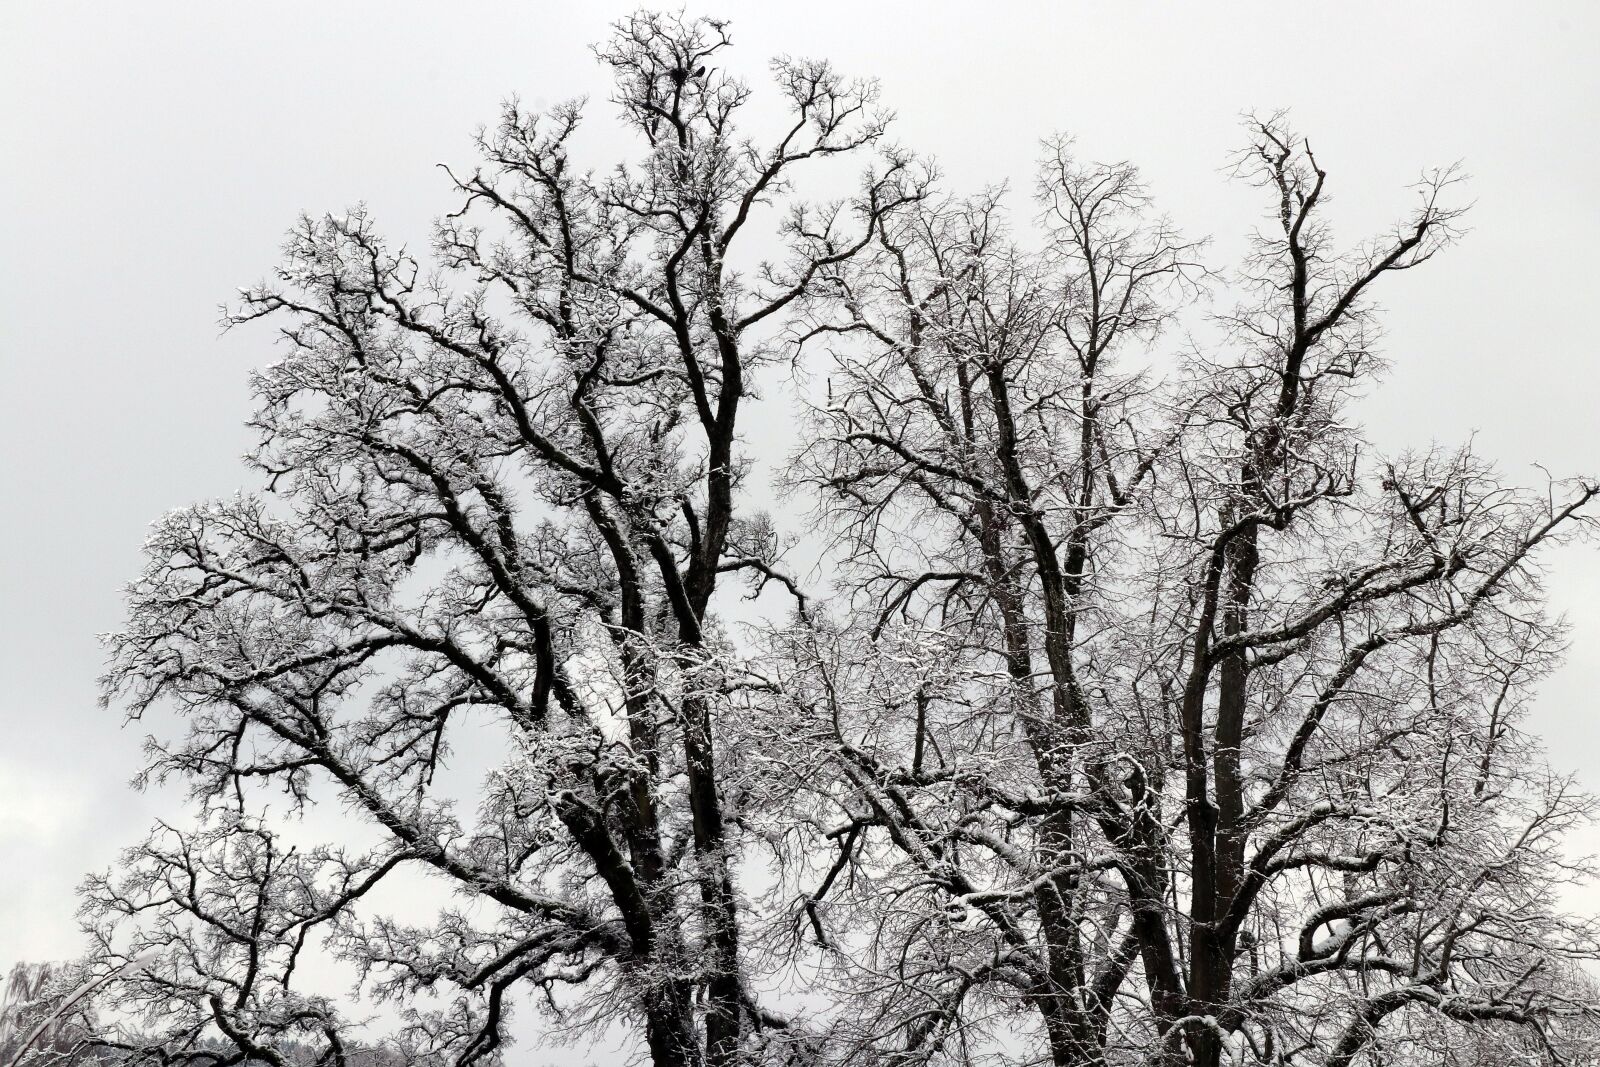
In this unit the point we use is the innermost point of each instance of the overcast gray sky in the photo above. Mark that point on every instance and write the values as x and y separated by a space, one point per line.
152 154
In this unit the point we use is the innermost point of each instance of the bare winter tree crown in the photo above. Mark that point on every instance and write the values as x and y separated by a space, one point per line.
1136 710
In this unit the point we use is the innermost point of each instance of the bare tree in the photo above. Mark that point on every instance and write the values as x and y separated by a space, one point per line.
506 489
1217 756
1151 718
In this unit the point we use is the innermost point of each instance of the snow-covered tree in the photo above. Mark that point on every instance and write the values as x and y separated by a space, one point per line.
501 490
1140 711
1165 721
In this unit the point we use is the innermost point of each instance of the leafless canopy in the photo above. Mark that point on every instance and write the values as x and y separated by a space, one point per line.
1139 713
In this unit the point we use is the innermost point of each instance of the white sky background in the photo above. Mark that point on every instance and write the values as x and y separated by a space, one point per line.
151 156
